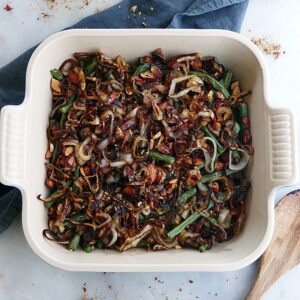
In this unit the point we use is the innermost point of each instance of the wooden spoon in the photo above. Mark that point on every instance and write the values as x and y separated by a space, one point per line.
283 252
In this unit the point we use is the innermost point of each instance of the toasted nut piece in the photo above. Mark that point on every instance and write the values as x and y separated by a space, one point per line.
55 85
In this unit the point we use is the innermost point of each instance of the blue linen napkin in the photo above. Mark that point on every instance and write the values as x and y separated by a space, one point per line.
201 14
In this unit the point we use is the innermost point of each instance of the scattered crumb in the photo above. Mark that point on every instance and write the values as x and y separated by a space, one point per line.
165 295
216 294
7 7
152 8
180 290
236 278
268 47
44 15
97 10
158 280
110 287
191 281
133 8
227 279
85 296
139 13
144 24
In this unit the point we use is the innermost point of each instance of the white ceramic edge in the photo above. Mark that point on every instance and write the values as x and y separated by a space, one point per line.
157 267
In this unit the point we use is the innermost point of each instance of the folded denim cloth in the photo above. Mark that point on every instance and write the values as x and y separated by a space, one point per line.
217 14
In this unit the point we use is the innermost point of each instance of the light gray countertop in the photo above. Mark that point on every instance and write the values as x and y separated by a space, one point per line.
24 276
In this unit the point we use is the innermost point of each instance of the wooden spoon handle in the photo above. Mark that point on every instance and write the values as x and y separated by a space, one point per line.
283 252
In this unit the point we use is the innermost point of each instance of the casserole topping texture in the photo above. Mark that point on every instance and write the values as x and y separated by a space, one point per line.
146 155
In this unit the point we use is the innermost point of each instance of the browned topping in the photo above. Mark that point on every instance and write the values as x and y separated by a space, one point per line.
133 149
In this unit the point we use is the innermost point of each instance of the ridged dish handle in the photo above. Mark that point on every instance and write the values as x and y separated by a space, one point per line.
284 164
12 144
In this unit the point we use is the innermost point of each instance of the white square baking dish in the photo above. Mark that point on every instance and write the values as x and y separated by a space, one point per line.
23 143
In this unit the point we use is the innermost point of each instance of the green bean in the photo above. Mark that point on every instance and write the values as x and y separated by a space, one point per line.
88 248
67 224
202 248
75 189
221 196
76 171
169 175
178 229
212 176
110 76
54 229
236 127
73 244
56 74
227 79
212 220
212 81
162 157
62 121
187 195
243 110
52 122
56 195
211 204
69 182
118 177
217 175
243 113
142 244
55 153
117 248
64 109
50 203
236 156
229 172
99 244
164 211
141 69
78 217
207 133
141 60
141 218
90 67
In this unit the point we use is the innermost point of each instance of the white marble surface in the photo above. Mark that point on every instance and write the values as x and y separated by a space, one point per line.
24 276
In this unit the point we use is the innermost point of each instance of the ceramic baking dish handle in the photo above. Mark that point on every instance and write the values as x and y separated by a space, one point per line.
283 147
12 144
